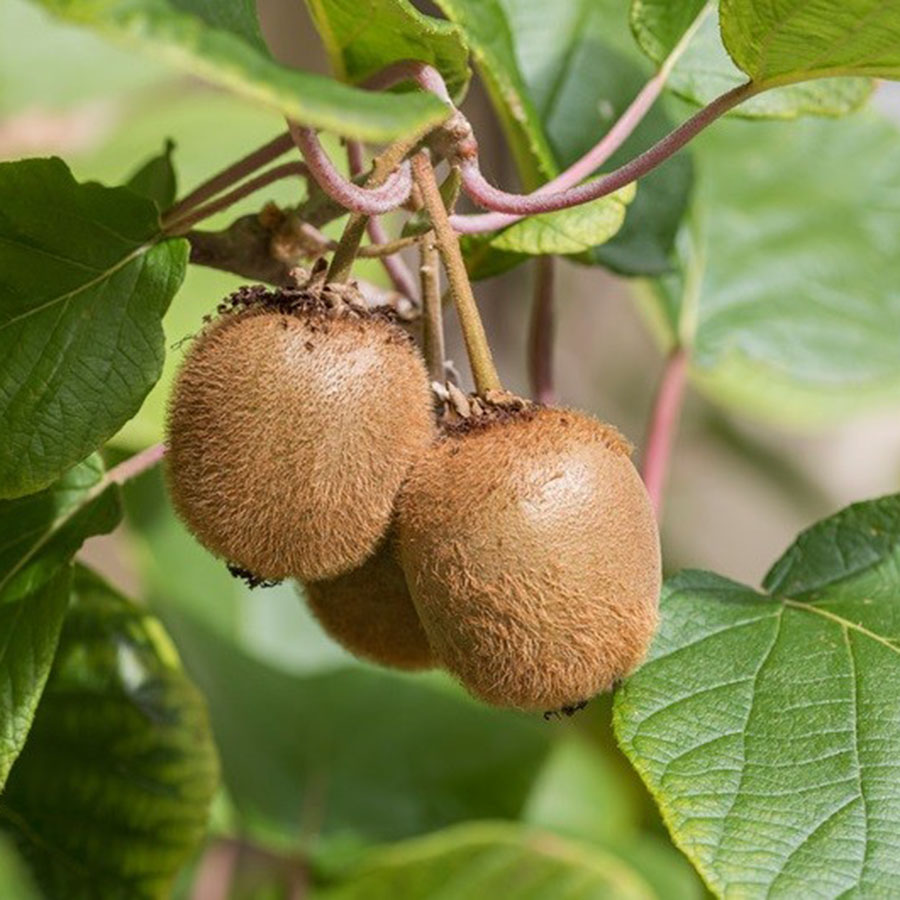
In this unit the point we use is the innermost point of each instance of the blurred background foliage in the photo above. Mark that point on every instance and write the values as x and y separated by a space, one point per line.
323 757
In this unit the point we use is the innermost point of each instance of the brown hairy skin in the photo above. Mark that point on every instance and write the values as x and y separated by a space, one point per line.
369 612
532 554
289 434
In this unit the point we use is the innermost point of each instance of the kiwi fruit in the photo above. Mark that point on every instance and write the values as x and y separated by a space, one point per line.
293 421
369 612
532 555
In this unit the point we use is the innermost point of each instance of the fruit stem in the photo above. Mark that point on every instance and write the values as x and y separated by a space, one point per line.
432 318
541 332
348 246
175 226
394 266
235 172
479 352
663 424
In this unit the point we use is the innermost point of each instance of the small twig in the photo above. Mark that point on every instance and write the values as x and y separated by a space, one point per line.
541 332
216 871
370 200
663 424
135 465
235 172
486 195
483 370
348 247
285 170
397 270
432 311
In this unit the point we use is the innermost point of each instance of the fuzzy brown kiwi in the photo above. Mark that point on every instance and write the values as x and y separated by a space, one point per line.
293 421
532 554
369 612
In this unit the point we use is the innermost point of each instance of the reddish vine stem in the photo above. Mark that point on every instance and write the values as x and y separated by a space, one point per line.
397 271
134 465
663 425
479 352
541 332
486 195
278 146
370 200
185 223
620 131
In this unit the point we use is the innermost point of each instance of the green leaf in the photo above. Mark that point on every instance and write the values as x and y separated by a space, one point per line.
30 628
111 793
492 43
361 42
84 285
492 859
220 43
156 179
580 793
38 535
574 230
766 724
777 42
15 882
380 756
704 69
795 283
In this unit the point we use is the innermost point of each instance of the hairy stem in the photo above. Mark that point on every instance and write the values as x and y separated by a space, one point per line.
184 224
348 246
235 172
483 370
486 195
663 425
432 312
541 332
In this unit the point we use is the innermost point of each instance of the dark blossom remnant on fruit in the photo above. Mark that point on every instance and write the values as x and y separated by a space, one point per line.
251 580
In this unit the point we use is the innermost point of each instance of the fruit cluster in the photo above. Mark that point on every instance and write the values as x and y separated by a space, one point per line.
510 543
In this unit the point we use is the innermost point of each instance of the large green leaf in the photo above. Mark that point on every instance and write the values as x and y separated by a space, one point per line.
796 277
568 231
374 756
487 859
84 283
220 43
767 725
29 630
361 39
704 69
38 535
111 793
776 42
